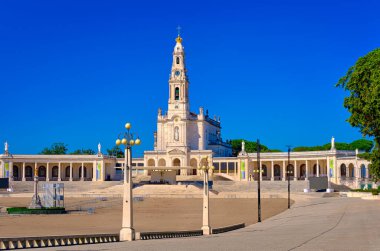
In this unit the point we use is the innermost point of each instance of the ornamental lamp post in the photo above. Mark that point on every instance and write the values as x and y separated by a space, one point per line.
258 171
36 201
127 233
288 173
206 211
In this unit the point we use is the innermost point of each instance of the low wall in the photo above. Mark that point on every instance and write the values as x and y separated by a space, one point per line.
55 241
227 228
164 235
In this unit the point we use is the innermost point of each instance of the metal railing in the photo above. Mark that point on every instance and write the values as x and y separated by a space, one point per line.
173 234
227 228
55 241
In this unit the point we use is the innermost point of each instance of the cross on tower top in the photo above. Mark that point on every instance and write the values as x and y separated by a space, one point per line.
179 30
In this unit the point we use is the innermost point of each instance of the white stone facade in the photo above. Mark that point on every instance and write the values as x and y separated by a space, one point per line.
182 142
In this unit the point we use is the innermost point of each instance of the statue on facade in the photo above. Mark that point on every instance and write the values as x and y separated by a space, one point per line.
332 143
6 148
159 112
99 149
242 146
176 133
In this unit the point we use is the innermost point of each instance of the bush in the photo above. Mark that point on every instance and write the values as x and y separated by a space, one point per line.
375 192
24 210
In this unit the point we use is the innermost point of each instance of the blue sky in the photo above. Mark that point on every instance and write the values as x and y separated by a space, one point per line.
76 71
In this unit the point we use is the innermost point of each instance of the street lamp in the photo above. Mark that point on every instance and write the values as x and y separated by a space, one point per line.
36 201
258 171
206 211
127 233
288 172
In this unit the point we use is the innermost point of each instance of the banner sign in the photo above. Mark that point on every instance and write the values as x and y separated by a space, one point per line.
331 172
242 169
98 171
6 170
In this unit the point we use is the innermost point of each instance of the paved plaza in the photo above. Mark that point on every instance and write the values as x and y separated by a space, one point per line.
320 223
152 214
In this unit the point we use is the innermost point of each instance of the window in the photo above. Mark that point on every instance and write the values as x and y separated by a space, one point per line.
177 60
176 93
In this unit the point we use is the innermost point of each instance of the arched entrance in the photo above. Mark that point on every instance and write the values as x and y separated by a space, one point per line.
290 170
54 172
67 172
42 172
84 172
177 162
351 170
151 163
28 172
303 171
193 164
343 170
277 172
362 171
161 162
15 173
264 170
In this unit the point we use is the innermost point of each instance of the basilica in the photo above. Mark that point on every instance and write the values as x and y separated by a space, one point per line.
182 142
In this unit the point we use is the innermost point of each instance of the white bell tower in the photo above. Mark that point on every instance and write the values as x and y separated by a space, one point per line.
178 83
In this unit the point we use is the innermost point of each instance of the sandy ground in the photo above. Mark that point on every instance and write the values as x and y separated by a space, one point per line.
152 214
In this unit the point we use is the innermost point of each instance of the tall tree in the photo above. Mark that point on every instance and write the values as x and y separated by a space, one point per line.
363 82
84 152
116 151
55 148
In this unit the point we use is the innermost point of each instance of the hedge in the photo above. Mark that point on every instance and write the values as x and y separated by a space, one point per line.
25 210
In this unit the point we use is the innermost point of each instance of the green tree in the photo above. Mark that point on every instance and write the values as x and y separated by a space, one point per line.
55 148
363 82
116 151
361 144
250 147
84 152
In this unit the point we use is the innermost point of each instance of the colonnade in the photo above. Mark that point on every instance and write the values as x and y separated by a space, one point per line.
55 171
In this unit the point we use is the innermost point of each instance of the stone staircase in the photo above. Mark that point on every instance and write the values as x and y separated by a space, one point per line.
70 186
265 186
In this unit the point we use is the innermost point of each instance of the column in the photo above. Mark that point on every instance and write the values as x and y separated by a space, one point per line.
71 171
234 168
318 168
59 171
23 172
337 171
11 170
260 168
307 170
283 170
295 170
82 172
227 167
35 168
47 172
94 171
272 171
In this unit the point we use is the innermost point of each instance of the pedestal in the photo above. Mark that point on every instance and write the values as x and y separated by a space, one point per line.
127 234
329 190
206 230
36 201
